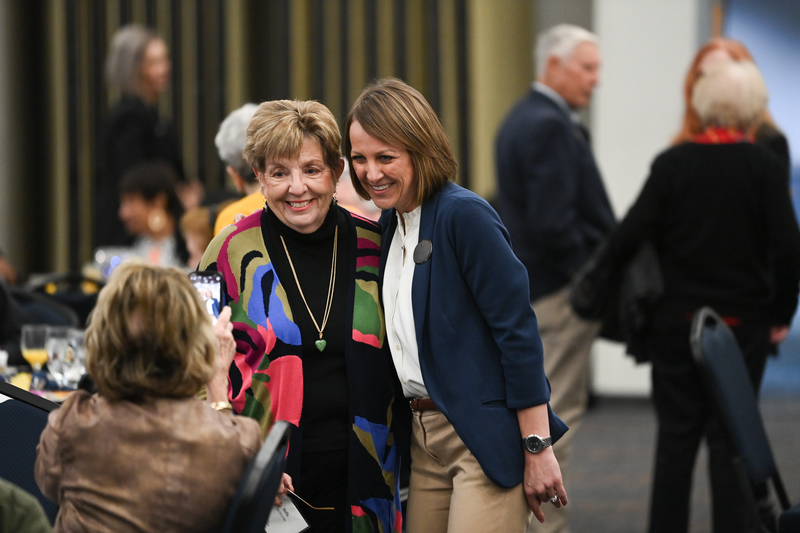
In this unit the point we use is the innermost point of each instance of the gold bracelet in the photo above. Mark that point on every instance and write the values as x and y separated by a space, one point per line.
219 406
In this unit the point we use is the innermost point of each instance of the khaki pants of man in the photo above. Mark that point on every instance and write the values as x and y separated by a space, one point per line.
567 341
449 493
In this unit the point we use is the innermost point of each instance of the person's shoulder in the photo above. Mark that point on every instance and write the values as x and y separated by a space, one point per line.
535 105
541 123
454 192
243 206
77 407
765 158
250 221
79 399
679 152
22 509
361 221
242 235
687 150
368 232
128 108
463 206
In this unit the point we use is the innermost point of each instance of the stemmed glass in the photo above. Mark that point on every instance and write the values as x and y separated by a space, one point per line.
33 345
76 357
57 343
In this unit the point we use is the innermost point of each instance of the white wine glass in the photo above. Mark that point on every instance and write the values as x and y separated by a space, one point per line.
57 344
76 357
33 345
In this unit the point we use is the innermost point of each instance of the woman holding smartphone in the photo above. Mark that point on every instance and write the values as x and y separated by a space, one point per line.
144 453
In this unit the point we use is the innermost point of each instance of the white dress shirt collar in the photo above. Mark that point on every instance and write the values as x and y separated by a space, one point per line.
555 97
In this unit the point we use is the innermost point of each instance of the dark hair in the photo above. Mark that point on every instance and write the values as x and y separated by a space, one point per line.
150 179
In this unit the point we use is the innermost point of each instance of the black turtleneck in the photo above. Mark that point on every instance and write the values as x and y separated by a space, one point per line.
325 417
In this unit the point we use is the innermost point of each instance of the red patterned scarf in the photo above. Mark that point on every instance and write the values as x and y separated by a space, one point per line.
718 135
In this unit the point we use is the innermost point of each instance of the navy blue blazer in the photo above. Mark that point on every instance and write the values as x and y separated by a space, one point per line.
552 198
479 346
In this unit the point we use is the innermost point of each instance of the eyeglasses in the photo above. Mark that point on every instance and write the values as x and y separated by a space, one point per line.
305 502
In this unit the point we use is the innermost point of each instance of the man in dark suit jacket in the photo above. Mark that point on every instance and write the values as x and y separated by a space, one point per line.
555 207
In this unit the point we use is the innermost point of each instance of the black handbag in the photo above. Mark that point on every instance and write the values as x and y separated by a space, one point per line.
622 298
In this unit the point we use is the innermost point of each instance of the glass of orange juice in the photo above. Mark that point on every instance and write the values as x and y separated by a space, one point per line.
34 349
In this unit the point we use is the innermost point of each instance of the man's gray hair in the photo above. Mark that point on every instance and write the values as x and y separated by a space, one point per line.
124 61
560 41
732 94
231 138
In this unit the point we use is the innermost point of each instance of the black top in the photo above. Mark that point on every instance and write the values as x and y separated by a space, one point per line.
772 139
133 133
721 218
325 417
12 317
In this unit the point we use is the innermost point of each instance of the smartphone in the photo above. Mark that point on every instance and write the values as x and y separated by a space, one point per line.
211 287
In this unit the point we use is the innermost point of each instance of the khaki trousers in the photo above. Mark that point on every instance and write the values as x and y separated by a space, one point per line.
567 341
449 493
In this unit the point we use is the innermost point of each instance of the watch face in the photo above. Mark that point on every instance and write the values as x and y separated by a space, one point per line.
534 444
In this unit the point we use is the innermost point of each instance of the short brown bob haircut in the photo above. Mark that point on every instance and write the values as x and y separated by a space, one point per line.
395 113
149 335
279 127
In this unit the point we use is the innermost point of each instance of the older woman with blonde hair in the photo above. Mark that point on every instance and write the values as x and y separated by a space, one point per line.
462 333
302 280
719 214
145 454
715 51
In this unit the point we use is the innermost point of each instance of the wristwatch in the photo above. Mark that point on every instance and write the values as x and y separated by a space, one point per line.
535 443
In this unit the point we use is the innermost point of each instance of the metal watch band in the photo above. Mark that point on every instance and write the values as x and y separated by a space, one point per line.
535 443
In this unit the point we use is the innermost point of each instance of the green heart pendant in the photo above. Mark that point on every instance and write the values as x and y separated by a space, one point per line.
320 344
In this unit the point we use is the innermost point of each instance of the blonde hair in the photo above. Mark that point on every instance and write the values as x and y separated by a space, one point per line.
691 122
392 111
731 94
279 128
149 335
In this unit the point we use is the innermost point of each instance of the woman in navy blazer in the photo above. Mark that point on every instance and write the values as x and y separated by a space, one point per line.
463 335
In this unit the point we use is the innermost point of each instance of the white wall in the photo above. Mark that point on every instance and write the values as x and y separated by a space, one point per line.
646 47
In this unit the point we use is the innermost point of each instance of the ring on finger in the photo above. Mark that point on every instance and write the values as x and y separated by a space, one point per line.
554 499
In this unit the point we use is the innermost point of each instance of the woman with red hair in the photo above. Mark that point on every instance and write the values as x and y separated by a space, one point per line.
716 50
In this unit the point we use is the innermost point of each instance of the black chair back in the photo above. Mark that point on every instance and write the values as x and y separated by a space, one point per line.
23 417
255 496
723 367
715 349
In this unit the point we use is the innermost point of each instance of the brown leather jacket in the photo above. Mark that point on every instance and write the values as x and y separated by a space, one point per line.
164 465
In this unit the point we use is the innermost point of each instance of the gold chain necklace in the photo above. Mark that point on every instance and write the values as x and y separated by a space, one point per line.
320 343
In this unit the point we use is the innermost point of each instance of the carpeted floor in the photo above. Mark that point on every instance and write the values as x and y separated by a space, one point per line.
613 454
